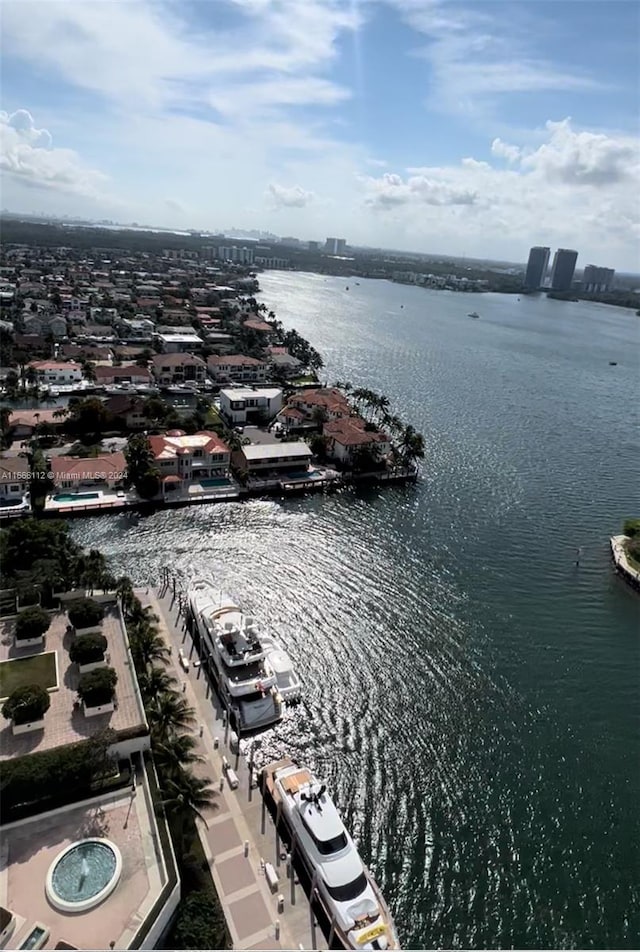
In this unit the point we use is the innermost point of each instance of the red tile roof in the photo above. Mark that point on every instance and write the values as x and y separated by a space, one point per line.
65 467
350 431
234 360
176 442
127 370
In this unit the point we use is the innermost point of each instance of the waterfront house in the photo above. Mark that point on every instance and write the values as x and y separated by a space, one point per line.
245 405
237 368
286 365
271 460
54 372
14 480
176 368
183 458
261 327
127 373
349 435
324 402
103 472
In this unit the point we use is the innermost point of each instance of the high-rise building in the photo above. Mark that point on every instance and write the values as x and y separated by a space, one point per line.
564 266
596 279
536 268
335 246
313 245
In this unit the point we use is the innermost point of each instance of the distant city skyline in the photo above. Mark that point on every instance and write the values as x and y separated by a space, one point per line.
482 131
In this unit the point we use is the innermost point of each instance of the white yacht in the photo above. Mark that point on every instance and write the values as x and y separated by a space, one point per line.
246 682
289 684
352 900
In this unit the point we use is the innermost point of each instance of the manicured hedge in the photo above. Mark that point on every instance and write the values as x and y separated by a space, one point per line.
98 687
88 648
32 623
28 703
85 613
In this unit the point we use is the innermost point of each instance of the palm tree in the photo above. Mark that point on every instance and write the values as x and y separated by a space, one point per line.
176 753
412 446
156 681
124 591
148 645
186 798
168 714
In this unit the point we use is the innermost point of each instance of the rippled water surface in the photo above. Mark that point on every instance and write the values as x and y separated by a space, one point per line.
472 695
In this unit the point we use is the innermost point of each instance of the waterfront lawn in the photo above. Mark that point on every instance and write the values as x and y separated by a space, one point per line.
633 557
300 381
213 417
36 669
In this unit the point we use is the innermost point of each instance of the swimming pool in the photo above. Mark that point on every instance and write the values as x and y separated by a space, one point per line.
211 483
74 497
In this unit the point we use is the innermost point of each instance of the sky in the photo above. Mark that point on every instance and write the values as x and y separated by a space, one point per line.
459 128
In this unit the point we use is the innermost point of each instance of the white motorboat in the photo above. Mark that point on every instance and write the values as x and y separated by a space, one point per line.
357 911
289 684
246 682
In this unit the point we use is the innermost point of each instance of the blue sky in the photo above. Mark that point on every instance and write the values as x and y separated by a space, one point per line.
453 127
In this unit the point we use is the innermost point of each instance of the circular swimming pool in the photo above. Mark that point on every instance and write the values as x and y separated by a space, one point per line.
83 874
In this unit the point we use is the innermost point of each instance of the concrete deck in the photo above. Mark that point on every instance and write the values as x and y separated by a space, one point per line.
64 724
29 847
240 834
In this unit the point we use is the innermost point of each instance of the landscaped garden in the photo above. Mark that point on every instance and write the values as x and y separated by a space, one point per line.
37 669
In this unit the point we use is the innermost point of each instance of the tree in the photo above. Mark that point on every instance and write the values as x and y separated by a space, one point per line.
28 703
40 483
85 613
200 924
98 687
88 648
412 446
187 796
632 527
156 681
318 445
92 568
169 714
175 753
28 540
89 420
141 470
32 623
125 592
147 645
5 428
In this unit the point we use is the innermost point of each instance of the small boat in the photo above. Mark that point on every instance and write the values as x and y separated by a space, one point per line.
613 363
352 900
347 288
474 314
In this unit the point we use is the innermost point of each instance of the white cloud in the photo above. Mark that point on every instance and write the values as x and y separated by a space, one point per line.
509 152
585 158
391 190
576 189
477 56
293 197
27 156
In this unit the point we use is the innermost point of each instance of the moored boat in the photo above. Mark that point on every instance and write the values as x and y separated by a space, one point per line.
357 912
245 680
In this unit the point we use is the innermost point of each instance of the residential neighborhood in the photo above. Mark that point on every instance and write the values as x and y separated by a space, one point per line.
136 378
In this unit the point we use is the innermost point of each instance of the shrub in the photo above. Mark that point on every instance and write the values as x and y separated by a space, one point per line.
200 924
32 623
88 648
85 613
28 703
98 687
61 775
632 527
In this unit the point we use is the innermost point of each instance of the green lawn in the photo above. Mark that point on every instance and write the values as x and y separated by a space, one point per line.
37 669
213 417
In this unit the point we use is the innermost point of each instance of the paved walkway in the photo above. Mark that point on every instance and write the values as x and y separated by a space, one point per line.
240 835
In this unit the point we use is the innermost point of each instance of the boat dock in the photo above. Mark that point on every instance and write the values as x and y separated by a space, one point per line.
263 909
